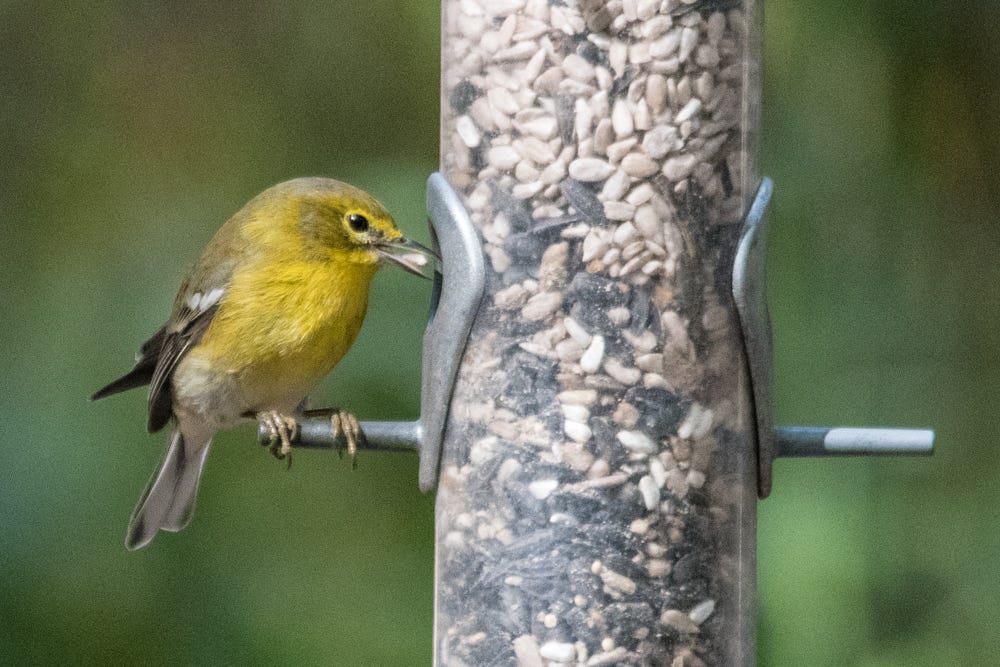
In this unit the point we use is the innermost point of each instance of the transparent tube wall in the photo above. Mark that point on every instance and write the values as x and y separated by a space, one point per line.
597 496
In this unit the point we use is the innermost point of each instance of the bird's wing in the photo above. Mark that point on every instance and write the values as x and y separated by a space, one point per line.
197 301
191 318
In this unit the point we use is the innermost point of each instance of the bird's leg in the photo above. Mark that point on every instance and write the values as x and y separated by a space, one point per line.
345 430
281 429
345 425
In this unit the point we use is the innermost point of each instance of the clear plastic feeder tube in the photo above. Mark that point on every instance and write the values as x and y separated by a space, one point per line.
597 497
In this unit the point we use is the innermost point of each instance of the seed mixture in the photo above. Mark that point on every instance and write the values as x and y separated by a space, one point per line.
596 498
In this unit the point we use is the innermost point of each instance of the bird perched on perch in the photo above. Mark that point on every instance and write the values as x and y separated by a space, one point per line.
272 305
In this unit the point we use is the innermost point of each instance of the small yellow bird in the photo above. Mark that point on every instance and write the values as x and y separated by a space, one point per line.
273 303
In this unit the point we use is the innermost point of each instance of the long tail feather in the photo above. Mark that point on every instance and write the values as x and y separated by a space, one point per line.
168 501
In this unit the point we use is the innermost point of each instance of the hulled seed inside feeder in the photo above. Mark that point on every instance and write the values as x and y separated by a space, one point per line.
597 146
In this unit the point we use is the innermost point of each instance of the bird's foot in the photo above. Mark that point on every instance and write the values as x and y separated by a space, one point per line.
347 432
281 429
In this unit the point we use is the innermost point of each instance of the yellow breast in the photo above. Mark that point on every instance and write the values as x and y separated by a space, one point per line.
282 327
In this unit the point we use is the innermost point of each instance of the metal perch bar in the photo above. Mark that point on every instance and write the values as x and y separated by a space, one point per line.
316 433
792 441
799 441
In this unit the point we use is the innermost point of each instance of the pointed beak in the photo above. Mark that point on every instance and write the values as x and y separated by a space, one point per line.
407 255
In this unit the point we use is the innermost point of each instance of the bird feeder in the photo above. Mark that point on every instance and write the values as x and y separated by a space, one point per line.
596 409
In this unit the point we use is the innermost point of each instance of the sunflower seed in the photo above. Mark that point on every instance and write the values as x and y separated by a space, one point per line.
590 170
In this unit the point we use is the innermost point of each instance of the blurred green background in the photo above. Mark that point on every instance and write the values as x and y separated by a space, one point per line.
129 131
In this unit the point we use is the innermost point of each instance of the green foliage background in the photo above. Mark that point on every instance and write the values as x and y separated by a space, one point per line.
130 131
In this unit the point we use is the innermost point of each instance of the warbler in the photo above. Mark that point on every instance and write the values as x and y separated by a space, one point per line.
271 306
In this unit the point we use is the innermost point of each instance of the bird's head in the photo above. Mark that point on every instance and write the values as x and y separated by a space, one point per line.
339 222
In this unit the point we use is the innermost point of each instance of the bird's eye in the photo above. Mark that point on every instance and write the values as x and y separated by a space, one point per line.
358 222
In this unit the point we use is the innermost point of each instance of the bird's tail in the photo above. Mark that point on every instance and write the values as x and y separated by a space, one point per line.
168 501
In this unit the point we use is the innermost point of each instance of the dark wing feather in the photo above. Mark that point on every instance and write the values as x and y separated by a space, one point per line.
183 334
142 372
194 307
158 357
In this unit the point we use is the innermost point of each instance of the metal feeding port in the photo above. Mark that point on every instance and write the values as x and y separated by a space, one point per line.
750 295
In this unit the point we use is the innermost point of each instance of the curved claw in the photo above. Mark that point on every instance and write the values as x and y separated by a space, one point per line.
281 429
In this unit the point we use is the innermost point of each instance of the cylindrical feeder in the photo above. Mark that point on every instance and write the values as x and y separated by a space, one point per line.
598 482
596 397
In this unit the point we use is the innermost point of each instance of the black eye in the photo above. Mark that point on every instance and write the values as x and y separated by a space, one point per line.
358 222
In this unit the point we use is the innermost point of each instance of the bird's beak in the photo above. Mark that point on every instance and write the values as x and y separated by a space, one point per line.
407 255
